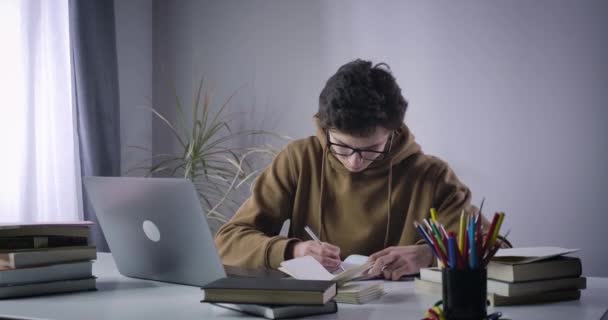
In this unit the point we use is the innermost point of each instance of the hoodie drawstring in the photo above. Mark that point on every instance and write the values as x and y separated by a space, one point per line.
320 231
390 191
390 187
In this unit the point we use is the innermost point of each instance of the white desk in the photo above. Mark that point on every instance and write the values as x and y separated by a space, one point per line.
124 298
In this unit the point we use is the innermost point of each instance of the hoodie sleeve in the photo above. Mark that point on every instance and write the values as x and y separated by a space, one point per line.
250 239
451 197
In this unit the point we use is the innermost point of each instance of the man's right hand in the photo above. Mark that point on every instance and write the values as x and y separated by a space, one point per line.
327 254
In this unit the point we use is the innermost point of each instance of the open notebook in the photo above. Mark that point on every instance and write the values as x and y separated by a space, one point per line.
349 291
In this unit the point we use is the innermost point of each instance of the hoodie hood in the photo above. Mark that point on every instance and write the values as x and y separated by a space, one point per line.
402 147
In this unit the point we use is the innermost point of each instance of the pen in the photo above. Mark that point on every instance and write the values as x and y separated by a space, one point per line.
311 234
314 237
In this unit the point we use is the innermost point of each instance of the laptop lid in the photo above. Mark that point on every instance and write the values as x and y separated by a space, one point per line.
155 228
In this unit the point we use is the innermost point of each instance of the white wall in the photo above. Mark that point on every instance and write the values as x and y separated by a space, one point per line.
512 94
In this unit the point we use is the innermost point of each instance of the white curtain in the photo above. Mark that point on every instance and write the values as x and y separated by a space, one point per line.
40 172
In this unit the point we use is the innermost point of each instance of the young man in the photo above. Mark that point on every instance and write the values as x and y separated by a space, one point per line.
359 184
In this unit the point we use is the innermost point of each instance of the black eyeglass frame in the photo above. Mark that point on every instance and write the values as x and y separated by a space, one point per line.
380 154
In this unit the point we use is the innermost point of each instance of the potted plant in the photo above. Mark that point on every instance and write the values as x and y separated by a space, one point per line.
221 172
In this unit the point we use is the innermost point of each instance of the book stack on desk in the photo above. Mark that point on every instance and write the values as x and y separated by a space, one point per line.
272 298
522 280
37 259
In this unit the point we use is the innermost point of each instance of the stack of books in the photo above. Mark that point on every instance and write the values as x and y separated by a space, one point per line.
516 277
272 298
312 290
37 259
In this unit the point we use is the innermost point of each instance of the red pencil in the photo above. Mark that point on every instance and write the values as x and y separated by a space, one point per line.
490 232
442 256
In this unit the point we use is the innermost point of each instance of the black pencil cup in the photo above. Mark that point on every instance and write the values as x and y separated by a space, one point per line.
464 293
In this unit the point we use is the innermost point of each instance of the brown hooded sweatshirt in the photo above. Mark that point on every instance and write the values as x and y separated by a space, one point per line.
360 212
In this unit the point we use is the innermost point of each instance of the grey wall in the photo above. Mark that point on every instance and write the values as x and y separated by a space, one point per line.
134 52
261 49
512 94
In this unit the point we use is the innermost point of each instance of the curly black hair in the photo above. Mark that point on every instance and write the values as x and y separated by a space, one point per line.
359 97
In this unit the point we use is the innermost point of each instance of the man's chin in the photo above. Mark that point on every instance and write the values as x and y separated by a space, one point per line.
356 169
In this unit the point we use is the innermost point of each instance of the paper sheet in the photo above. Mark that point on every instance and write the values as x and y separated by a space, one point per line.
306 268
529 254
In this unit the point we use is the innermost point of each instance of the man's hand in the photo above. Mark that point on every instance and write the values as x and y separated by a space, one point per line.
395 262
328 255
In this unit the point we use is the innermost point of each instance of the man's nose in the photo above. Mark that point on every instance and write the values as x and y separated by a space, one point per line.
355 158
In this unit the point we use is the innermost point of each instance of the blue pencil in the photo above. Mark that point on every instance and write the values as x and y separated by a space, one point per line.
452 250
426 238
473 251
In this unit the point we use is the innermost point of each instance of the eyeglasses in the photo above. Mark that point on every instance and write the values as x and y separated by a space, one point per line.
365 154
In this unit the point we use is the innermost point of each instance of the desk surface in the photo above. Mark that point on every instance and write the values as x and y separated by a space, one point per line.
125 298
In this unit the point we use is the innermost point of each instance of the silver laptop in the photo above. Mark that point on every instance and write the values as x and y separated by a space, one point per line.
155 228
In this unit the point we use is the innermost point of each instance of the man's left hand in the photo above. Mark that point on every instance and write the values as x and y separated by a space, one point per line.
396 262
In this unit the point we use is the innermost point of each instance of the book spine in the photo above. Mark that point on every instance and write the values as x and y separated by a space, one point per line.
15 243
43 288
40 258
39 231
55 272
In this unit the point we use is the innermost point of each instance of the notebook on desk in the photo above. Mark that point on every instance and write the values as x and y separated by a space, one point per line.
307 268
349 289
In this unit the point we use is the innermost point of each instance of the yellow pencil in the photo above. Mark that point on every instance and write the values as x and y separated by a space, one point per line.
501 216
433 215
461 232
